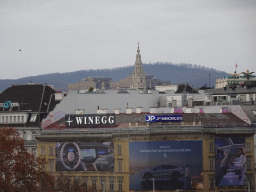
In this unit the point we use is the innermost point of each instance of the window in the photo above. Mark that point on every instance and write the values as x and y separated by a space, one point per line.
248 147
43 167
14 119
24 135
249 163
2 119
249 180
211 163
84 181
51 165
119 150
94 183
120 166
34 151
42 150
112 184
18 119
51 153
212 182
33 118
211 147
22 119
10 119
33 135
120 184
76 181
103 184
6 119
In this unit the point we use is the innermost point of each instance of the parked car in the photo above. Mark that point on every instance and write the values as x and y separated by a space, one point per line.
162 171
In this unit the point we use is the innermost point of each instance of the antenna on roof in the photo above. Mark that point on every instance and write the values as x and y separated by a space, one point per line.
78 80
209 79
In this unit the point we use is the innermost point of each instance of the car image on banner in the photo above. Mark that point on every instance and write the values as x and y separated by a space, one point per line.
230 161
170 165
162 171
84 156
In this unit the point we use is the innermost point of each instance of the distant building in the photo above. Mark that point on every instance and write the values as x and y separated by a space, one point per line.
94 82
235 80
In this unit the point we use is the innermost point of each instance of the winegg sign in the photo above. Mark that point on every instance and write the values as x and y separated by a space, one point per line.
90 120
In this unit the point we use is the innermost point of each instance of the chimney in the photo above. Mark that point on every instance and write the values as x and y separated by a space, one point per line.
138 110
102 111
129 110
80 111
117 111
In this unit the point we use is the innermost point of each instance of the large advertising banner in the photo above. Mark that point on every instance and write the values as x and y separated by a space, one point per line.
230 161
84 156
166 165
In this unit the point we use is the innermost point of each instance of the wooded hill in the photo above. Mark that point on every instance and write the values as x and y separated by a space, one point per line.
195 75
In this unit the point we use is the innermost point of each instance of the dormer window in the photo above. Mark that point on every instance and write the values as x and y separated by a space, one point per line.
33 118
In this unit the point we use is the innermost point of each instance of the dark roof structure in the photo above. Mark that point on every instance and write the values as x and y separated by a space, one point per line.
185 88
30 98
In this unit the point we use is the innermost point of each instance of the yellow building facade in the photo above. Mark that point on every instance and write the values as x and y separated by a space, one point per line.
119 178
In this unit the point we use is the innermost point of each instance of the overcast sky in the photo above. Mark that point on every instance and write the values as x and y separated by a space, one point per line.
71 35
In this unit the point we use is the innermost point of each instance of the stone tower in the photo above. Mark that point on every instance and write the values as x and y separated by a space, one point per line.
138 75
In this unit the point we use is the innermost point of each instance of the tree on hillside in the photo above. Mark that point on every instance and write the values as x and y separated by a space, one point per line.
19 169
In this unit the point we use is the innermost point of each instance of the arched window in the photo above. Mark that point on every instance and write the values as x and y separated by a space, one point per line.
24 135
